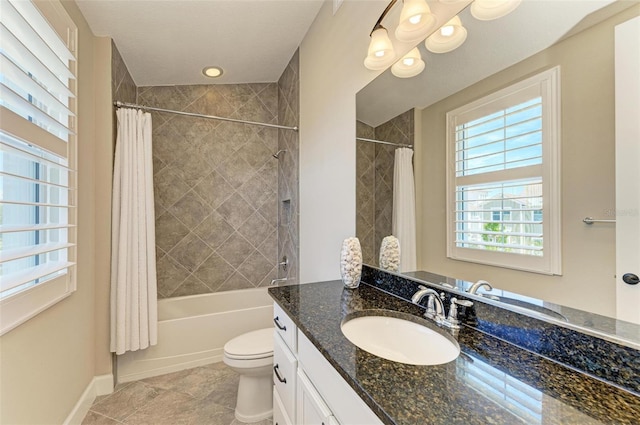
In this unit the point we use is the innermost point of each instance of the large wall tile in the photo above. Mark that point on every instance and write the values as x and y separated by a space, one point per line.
215 186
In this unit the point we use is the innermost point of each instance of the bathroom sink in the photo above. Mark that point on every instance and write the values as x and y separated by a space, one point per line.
400 340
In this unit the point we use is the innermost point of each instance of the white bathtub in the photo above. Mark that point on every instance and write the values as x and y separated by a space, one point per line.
192 331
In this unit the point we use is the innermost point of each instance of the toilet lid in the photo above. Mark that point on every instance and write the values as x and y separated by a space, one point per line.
251 345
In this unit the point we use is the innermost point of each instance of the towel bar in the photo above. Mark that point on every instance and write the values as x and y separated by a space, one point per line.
590 220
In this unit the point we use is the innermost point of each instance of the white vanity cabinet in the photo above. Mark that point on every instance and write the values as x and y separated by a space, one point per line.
314 392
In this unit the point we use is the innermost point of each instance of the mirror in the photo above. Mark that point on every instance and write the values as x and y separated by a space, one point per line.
576 35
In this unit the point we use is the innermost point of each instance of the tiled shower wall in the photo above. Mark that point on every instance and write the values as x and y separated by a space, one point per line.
288 209
374 180
215 187
218 218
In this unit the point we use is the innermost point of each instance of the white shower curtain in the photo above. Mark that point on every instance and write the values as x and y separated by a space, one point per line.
134 313
404 208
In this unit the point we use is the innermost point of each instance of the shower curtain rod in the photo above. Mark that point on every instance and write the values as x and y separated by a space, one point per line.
384 143
119 104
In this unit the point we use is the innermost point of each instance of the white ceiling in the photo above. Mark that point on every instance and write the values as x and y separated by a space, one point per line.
490 47
169 42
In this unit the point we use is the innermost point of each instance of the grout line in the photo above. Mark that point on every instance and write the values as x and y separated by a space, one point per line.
104 416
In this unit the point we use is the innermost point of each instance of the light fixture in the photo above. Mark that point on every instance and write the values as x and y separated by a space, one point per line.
416 21
381 53
449 37
409 66
486 10
212 71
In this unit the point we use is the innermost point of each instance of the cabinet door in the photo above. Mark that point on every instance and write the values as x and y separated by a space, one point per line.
311 409
333 421
280 416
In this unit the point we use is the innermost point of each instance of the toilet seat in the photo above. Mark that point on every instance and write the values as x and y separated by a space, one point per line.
253 345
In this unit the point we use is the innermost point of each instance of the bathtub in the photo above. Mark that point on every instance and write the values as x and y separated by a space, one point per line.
192 331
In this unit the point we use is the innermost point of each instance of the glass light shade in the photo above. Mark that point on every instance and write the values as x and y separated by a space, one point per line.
409 66
381 53
448 38
416 21
486 10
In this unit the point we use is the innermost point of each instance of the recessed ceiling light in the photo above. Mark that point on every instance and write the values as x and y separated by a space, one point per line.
212 71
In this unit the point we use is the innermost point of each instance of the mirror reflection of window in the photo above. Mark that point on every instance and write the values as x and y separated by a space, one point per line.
513 395
501 151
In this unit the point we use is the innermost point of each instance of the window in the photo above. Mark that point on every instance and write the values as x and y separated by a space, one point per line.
37 158
503 179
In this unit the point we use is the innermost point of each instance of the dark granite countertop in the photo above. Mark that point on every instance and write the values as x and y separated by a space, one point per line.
491 382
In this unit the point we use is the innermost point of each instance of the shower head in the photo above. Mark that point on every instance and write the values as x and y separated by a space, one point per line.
277 154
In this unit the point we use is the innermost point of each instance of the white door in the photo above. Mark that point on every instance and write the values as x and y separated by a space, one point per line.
627 91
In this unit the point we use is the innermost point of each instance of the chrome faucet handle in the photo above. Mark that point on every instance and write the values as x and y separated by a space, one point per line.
464 303
452 318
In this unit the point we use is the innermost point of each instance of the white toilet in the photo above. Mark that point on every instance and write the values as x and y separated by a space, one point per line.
251 355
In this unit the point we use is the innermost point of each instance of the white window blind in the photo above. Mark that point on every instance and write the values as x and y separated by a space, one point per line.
503 177
37 158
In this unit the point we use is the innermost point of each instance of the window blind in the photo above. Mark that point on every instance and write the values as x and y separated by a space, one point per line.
35 215
37 157
503 177
37 72
499 180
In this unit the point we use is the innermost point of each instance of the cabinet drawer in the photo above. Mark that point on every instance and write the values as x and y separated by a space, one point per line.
280 416
284 375
285 327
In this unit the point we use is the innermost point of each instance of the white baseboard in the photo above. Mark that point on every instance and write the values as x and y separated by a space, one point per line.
155 367
99 385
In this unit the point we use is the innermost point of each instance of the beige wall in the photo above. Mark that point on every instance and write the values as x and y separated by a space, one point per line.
47 362
331 73
588 178
103 142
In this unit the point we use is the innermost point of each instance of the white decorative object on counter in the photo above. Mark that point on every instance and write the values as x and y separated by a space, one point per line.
351 262
390 254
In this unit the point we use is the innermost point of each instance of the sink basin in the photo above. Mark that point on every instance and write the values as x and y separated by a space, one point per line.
400 340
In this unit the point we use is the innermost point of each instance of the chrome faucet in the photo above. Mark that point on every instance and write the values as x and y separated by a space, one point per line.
435 307
479 284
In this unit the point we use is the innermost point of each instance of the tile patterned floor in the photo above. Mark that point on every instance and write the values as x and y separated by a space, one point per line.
203 395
